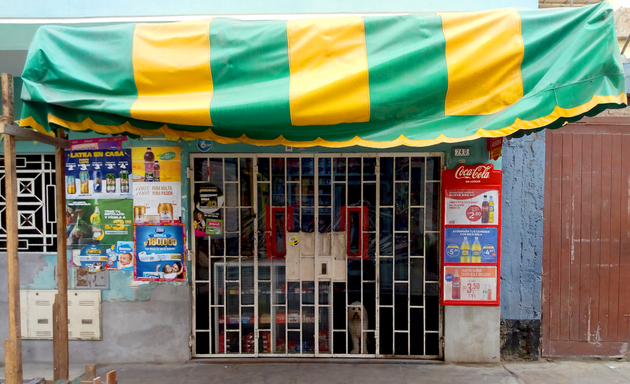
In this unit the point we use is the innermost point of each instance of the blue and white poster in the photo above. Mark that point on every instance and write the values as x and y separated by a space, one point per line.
98 174
471 245
160 252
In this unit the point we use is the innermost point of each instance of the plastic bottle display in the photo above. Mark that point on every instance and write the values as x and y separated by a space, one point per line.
491 210
71 186
476 251
156 171
98 181
457 286
110 181
149 159
484 210
124 181
95 220
465 257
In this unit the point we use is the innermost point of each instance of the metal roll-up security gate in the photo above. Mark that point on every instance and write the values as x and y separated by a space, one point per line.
319 255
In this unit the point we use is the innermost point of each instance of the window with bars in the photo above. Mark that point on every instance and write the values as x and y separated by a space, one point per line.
37 216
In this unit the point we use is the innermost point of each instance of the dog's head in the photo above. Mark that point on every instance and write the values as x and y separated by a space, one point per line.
356 311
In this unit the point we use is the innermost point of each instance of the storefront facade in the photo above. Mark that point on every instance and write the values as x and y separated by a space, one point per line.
314 251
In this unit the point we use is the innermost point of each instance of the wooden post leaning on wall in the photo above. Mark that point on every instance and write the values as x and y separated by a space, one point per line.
61 359
13 346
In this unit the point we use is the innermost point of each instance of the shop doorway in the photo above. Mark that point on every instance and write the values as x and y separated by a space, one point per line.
319 255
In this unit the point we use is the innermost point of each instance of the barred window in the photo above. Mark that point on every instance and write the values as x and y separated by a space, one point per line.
37 216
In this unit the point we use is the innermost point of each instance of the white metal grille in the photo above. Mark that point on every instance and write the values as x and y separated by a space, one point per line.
367 231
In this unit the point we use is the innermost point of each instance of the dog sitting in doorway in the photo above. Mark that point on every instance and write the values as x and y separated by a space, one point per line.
358 322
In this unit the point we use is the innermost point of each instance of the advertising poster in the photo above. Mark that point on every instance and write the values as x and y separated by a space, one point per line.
160 253
474 283
121 256
156 164
471 207
97 143
471 245
104 221
98 174
94 227
157 184
208 201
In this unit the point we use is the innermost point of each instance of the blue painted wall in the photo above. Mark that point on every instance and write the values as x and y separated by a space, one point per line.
522 226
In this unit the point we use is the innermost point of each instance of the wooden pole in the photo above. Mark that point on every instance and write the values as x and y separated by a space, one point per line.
13 346
61 359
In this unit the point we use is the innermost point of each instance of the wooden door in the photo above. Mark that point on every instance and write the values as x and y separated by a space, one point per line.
586 256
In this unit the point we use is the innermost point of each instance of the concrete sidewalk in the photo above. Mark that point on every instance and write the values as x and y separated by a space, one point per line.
556 372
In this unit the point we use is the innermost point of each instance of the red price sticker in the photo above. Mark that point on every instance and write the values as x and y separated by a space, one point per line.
473 213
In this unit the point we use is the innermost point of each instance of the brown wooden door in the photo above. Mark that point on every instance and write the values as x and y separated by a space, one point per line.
586 257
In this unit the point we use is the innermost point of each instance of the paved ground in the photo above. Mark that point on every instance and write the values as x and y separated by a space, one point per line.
556 372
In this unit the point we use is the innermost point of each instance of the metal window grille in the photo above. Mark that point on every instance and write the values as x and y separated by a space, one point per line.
305 238
37 214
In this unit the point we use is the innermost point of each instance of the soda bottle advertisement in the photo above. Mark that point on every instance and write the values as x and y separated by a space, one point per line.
98 174
160 253
157 184
471 245
156 164
471 207
475 283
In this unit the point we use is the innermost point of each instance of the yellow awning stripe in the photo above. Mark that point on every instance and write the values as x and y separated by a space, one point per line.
171 66
557 113
484 52
329 71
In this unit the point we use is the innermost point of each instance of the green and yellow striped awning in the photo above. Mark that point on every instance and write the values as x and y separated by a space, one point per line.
380 82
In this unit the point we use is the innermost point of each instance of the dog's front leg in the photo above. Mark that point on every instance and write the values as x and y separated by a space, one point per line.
355 344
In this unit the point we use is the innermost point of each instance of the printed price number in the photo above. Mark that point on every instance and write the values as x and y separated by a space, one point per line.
471 287
118 225
473 213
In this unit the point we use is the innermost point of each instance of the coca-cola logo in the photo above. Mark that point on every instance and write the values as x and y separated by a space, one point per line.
478 173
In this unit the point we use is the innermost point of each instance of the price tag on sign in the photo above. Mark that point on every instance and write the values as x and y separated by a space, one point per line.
473 213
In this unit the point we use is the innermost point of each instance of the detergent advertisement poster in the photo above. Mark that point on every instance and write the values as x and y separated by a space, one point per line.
160 253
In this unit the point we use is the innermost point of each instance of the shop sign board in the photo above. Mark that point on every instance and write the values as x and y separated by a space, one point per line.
160 252
157 184
471 235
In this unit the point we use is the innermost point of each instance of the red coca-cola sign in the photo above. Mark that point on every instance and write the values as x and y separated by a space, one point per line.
473 174
477 173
